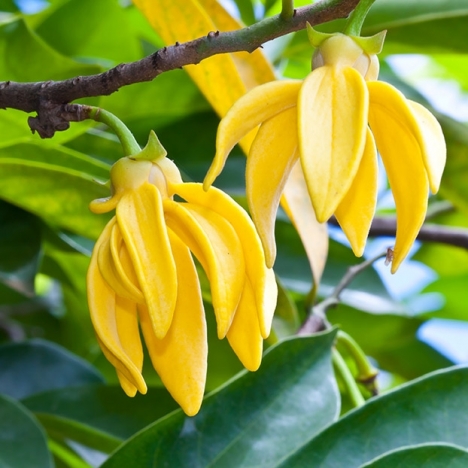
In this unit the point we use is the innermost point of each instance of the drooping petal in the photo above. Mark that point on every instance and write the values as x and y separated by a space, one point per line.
111 270
397 136
141 221
258 105
435 152
180 358
244 334
255 269
314 235
270 161
123 267
218 248
333 107
102 307
356 210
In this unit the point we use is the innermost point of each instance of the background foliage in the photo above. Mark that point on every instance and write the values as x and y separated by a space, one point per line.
59 400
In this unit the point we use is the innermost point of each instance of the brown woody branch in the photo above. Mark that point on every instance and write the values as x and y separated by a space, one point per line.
50 99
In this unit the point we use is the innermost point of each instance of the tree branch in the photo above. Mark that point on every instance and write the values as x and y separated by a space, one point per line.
383 226
50 99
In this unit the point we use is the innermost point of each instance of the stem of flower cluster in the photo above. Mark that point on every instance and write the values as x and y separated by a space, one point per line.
129 144
351 387
356 18
287 9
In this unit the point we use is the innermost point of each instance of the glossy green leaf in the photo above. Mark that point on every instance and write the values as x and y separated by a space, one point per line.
104 408
107 33
16 38
22 440
36 366
433 408
255 420
59 195
427 455
20 248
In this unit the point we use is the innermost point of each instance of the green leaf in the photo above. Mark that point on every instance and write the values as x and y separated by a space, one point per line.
20 248
58 195
22 440
16 38
433 408
104 408
36 366
427 455
255 420
107 34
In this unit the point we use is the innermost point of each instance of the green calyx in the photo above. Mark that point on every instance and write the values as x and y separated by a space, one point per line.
370 45
153 151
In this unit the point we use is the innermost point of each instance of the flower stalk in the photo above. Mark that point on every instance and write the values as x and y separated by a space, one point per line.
287 9
350 384
356 18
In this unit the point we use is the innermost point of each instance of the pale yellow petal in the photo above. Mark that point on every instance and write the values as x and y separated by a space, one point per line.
394 127
356 210
333 107
180 358
218 248
270 161
102 306
435 150
258 105
126 385
255 269
314 235
244 334
141 221
124 268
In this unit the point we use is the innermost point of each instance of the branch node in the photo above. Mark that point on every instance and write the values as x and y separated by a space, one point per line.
177 44
5 84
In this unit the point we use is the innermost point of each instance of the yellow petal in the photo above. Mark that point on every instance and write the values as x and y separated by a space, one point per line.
395 132
216 245
222 204
435 151
141 222
270 161
314 235
126 385
356 210
102 306
258 105
111 270
180 358
333 107
123 268
244 334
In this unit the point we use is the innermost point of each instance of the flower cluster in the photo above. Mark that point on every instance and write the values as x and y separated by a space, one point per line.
334 122
142 272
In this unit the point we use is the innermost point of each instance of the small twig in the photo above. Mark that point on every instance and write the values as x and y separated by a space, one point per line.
316 320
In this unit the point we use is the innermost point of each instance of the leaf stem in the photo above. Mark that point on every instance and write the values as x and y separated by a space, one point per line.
66 455
356 18
351 387
287 9
129 144
367 372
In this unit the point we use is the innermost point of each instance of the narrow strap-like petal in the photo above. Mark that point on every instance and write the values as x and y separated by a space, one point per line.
356 210
248 112
222 204
112 271
314 235
435 153
141 221
270 161
102 305
244 334
393 126
333 107
218 248
180 358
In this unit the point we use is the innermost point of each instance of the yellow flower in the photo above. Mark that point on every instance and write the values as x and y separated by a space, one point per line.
142 270
334 121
